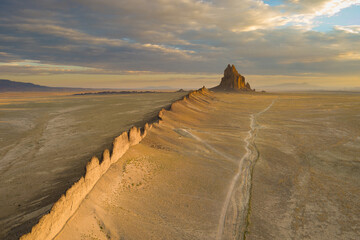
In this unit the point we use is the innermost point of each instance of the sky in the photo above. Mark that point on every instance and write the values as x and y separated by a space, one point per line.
180 43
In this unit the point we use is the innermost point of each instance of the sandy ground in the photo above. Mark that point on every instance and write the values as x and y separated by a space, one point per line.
306 183
46 140
234 167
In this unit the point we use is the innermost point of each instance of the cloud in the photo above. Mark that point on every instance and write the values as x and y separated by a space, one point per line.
355 29
318 7
36 67
305 13
185 36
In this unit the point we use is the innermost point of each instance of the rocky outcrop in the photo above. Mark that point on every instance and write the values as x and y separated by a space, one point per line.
232 80
52 223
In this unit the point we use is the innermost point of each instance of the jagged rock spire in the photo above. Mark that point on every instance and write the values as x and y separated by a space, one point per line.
233 80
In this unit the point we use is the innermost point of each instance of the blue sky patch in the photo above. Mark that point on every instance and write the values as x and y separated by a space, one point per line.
273 2
348 16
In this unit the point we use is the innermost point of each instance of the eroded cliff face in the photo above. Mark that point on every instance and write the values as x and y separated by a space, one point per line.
233 80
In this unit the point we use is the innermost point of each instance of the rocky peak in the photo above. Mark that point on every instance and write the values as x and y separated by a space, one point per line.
233 80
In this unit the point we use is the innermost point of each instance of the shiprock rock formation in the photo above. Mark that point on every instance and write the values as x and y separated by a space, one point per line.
232 80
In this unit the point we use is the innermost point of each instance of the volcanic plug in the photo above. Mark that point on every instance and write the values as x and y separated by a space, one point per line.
232 80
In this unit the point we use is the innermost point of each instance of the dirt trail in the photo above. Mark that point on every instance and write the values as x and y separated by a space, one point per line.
242 181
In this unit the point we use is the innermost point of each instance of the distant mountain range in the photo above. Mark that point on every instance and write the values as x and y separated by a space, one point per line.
291 87
12 86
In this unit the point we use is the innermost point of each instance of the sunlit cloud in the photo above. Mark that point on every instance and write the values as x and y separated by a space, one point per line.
35 66
304 13
350 29
349 56
175 37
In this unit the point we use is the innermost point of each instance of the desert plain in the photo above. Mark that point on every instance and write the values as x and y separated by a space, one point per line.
217 165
